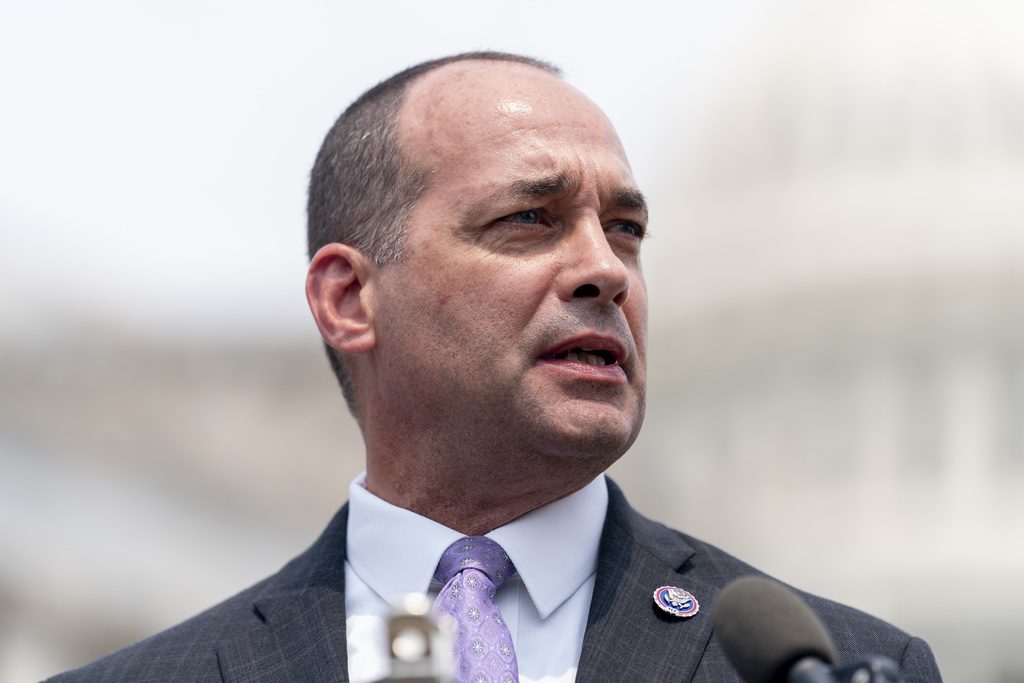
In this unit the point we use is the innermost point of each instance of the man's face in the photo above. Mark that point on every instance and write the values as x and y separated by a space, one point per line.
518 316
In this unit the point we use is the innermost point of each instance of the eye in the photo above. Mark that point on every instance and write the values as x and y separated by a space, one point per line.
628 228
528 217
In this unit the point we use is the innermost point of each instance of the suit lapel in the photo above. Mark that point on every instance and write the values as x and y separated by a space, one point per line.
628 637
298 624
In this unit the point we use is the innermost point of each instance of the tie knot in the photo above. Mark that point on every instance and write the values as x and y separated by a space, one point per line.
475 552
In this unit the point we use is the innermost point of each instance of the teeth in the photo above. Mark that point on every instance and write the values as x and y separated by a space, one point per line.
586 357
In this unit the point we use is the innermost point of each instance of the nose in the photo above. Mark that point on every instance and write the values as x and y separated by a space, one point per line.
593 270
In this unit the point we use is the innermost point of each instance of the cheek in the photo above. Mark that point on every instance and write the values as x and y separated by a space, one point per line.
635 310
506 291
636 316
450 321
477 307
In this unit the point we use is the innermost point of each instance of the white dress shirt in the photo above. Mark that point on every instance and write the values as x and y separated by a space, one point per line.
392 551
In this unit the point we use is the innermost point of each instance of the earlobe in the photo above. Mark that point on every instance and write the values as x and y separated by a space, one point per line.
339 292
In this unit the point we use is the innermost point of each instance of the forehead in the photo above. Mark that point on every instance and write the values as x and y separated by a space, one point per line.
469 116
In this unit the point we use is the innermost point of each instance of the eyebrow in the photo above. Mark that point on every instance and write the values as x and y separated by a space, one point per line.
629 198
544 187
556 184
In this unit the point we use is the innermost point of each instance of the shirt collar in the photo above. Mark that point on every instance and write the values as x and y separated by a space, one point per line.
554 548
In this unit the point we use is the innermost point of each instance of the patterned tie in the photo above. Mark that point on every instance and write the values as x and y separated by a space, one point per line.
472 570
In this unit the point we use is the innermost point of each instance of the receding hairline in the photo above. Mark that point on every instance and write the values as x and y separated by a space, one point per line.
429 96
474 60
433 85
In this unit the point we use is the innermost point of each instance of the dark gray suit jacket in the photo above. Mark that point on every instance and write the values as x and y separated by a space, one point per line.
291 626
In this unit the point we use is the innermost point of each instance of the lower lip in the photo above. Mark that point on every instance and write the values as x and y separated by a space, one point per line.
611 374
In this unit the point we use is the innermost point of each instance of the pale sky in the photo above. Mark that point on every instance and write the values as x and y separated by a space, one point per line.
155 155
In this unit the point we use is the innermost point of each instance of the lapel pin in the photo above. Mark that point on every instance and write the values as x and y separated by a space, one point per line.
676 601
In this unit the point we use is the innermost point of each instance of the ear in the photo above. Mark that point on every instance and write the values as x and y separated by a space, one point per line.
339 291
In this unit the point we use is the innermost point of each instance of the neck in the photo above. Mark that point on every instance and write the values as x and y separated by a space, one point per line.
470 505
474 478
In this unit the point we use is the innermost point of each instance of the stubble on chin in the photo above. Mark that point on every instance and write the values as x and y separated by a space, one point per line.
572 434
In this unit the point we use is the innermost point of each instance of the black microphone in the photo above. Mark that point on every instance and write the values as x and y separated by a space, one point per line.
770 635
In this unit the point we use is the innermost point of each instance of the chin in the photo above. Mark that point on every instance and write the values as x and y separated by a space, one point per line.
599 435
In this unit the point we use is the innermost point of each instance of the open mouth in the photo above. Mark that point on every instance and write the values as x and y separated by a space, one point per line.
596 357
605 354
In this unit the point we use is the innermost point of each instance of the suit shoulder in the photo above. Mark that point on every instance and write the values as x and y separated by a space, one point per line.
188 651
855 633
185 652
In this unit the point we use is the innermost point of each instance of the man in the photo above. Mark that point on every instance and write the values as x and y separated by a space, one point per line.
475 234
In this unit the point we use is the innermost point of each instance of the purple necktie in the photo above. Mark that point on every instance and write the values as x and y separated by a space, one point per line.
472 569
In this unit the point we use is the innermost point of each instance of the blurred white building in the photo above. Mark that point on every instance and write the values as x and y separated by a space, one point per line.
848 354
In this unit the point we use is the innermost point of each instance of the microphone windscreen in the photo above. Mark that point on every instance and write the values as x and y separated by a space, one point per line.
764 628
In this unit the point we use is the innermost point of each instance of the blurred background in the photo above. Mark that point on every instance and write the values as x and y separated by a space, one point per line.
836 275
